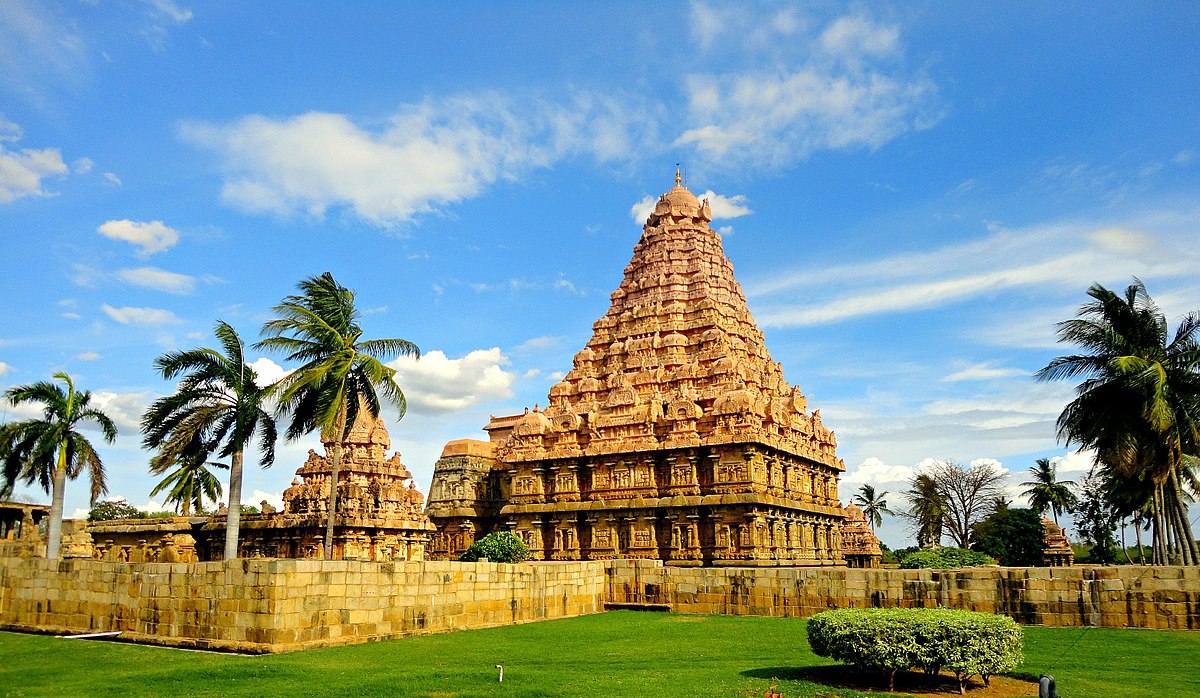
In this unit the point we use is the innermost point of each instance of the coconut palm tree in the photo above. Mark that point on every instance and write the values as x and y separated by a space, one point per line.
1046 492
51 450
190 483
218 404
1138 407
873 505
927 509
340 374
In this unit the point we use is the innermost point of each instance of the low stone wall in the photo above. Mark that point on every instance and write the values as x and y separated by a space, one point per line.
1119 597
262 605
270 605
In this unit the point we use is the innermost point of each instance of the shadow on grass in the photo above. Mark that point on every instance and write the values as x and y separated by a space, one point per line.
840 676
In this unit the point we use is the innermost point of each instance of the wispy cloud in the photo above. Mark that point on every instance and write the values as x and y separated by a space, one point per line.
158 279
151 237
140 316
22 171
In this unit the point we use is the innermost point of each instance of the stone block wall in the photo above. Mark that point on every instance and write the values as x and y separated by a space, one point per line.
261 605
1119 597
274 605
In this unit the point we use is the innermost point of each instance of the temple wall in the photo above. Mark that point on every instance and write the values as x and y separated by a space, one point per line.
280 605
261 605
1119 597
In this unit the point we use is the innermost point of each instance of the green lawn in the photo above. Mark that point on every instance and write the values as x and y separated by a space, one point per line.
612 654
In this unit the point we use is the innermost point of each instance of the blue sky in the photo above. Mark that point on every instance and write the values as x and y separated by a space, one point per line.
911 195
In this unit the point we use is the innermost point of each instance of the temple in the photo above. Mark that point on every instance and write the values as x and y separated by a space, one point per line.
673 437
379 514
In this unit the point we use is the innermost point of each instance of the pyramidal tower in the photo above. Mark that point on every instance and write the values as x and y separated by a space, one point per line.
673 437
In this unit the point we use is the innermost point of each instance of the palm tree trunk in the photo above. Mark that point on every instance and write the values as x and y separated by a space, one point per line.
1159 555
335 466
1187 540
54 529
233 513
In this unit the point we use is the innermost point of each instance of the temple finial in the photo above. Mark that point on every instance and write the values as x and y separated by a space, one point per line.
678 175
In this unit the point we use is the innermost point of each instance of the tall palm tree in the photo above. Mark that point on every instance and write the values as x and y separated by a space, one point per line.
1138 407
873 505
217 405
50 450
1047 492
340 374
190 483
927 509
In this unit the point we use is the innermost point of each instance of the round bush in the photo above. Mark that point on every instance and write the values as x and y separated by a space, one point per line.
931 639
944 559
497 547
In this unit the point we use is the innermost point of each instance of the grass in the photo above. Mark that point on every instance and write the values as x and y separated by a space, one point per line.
612 654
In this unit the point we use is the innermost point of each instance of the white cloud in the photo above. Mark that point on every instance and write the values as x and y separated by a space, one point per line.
852 93
89 356
979 372
112 179
256 498
125 409
1066 256
9 131
171 10
140 316
1079 461
267 371
436 383
158 279
4 368
152 236
859 36
82 166
541 343
21 172
873 471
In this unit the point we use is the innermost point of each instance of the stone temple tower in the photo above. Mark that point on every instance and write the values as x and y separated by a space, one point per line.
674 436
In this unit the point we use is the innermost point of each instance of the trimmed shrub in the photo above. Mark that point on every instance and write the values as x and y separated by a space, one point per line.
497 547
931 639
944 559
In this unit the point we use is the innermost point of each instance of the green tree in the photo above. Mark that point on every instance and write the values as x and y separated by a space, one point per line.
1013 536
927 510
112 509
218 404
1096 520
1138 406
51 450
873 504
501 546
1046 492
191 483
340 372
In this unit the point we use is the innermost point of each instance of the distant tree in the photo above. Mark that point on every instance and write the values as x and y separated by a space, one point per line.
218 404
873 504
1000 504
1138 405
1013 536
1047 492
1096 519
191 483
112 509
967 493
927 510
51 450
340 372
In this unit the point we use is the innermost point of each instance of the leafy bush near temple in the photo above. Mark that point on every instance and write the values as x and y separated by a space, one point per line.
121 509
497 547
944 559
931 639
1014 537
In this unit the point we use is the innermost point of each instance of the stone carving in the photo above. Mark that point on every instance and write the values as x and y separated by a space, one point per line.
1059 552
674 435
859 544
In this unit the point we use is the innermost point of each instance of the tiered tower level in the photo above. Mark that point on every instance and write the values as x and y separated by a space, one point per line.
674 436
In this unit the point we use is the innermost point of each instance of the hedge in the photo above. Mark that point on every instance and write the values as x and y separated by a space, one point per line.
944 558
931 639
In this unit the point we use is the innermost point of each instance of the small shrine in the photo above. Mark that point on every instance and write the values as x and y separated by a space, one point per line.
1059 552
673 437
860 547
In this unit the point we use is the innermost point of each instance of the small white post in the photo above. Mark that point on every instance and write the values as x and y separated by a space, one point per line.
501 668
